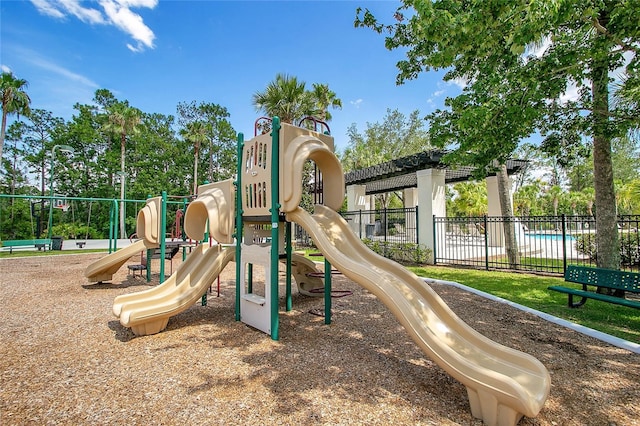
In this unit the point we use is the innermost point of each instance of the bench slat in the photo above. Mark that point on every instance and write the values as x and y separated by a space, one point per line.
603 278
597 296
609 278
24 243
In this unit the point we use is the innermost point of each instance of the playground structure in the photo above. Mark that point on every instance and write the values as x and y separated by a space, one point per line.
503 384
148 228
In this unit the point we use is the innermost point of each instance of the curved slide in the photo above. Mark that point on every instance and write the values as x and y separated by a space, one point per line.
503 384
303 271
104 268
148 312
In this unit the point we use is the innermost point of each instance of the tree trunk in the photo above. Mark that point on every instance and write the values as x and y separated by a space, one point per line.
608 254
510 242
3 128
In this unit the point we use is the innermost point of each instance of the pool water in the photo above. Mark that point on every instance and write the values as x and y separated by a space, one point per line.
552 237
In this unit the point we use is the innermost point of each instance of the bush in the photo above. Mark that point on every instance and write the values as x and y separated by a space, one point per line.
407 253
629 247
70 231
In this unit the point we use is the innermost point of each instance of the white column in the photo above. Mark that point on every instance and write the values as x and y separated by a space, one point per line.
358 200
431 201
410 197
410 200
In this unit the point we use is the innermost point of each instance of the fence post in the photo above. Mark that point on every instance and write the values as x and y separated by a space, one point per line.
360 223
384 225
564 243
486 244
417 227
435 232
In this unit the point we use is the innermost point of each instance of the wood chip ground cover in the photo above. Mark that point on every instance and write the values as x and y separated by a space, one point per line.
65 359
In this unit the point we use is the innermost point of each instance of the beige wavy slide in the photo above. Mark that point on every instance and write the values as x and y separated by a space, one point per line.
503 384
147 228
104 268
148 312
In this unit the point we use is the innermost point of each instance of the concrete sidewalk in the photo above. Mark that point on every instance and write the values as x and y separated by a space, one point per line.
94 244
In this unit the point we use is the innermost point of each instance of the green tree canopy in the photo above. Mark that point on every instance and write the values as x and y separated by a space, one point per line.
14 100
395 137
520 60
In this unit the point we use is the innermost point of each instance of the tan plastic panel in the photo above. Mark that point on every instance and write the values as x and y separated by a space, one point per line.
256 176
296 147
148 222
503 384
148 312
104 268
215 203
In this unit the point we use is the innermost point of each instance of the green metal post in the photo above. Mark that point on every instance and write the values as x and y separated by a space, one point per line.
183 234
288 248
239 213
184 212
149 255
111 229
275 218
327 291
249 277
163 227
564 243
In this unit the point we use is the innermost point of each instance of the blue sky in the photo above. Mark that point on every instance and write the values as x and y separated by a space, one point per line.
158 53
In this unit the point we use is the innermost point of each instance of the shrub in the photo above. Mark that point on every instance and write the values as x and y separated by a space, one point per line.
629 247
407 253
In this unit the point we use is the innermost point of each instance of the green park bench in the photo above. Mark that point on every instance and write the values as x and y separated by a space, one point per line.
39 243
603 278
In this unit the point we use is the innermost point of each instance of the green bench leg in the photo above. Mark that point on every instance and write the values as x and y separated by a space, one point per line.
582 301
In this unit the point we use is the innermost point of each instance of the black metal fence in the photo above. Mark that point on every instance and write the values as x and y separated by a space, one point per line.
390 232
544 243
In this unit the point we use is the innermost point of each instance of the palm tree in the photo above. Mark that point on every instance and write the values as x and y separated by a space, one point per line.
196 132
285 97
555 193
590 197
14 100
324 98
123 120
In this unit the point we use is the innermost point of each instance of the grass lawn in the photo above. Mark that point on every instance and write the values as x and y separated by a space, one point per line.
32 253
531 291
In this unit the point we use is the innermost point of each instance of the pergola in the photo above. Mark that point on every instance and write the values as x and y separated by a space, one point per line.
422 177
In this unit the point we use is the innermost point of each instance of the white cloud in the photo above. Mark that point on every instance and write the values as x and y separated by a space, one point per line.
460 82
46 8
571 94
356 103
45 64
538 49
85 14
131 23
438 93
5 68
116 12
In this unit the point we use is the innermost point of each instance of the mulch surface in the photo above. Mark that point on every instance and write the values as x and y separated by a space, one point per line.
65 359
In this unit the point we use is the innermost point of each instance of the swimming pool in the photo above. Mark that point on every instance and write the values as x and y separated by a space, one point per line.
552 237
